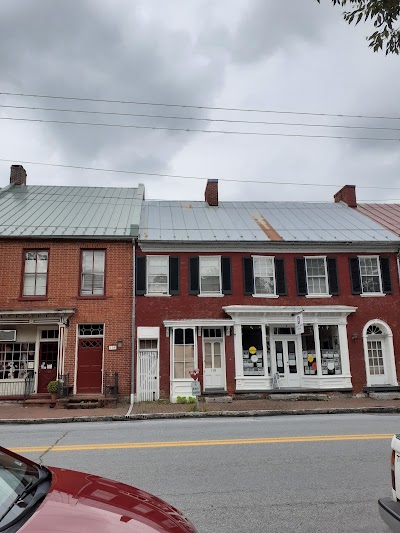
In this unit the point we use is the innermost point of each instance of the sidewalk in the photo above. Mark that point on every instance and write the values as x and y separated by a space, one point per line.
16 413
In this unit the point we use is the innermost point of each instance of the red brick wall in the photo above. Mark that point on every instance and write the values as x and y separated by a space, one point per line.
151 311
115 310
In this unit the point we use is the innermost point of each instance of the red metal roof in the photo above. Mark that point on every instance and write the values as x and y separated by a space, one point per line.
386 214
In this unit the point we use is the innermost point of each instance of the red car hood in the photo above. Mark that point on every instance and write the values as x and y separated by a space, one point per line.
80 502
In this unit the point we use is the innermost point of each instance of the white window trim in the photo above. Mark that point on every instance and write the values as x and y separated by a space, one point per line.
319 294
377 257
151 294
266 295
195 357
208 294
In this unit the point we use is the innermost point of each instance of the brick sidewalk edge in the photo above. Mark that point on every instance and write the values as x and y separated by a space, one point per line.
199 414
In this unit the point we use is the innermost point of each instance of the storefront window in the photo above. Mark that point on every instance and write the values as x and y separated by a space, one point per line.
16 359
330 350
309 352
252 351
183 352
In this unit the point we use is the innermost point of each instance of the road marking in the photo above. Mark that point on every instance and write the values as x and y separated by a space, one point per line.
178 444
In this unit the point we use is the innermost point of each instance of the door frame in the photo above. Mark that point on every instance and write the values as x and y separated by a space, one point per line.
223 357
77 337
38 341
138 383
287 338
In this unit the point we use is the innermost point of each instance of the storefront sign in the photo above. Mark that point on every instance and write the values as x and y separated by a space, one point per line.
299 323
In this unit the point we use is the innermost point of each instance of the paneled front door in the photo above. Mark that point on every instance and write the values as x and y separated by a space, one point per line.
90 366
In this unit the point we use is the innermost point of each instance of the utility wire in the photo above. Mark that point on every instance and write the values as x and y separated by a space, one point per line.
202 119
184 106
180 176
198 130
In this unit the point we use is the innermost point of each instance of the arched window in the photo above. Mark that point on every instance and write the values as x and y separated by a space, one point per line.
374 330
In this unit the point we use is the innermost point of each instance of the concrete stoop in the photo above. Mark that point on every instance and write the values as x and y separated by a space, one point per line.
384 395
295 397
218 399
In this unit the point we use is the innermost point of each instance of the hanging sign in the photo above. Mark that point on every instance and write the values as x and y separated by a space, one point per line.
299 324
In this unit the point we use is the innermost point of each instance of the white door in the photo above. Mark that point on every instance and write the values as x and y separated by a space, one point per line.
213 359
286 358
148 376
376 361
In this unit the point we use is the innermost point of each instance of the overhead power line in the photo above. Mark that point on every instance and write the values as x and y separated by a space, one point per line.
198 130
187 106
180 176
200 119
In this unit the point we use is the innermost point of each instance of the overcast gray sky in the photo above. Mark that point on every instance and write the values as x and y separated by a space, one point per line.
283 55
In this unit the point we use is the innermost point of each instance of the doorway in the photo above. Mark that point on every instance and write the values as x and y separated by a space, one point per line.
47 371
286 357
90 366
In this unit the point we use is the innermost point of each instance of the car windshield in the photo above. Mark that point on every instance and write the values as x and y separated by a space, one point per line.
15 476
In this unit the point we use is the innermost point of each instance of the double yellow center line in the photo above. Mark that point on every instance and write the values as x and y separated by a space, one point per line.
188 443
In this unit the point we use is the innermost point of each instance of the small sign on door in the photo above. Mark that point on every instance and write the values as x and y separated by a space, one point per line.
299 323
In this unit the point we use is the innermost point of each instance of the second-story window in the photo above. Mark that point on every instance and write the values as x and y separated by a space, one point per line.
35 273
93 270
157 274
210 275
317 282
370 274
264 275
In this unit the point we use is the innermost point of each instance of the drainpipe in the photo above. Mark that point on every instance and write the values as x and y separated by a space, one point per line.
132 400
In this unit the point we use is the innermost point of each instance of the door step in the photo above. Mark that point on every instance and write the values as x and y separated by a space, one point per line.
218 399
89 403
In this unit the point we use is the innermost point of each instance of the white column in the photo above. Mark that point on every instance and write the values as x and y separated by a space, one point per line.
317 350
238 351
344 349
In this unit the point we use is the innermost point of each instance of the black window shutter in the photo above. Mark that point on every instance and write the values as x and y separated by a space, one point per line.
333 279
174 275
226 271
248 275
355 275
385 273
280 278
140 278
301 276
194 287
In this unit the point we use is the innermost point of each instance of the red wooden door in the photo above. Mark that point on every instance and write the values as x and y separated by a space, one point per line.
90 358
47 364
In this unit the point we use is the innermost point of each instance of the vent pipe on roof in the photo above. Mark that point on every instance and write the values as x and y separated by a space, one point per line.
347 194
211 193
17 175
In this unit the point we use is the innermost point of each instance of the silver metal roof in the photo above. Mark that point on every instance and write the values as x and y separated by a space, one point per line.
257 222
46 211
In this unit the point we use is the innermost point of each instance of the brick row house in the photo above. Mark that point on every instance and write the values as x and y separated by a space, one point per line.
219 286
66 301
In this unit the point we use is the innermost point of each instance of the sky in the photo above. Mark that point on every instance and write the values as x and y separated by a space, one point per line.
293 56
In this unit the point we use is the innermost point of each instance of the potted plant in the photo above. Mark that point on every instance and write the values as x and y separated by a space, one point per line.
52 389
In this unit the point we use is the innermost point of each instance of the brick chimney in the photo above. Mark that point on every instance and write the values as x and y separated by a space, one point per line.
211 193
18 175
347 194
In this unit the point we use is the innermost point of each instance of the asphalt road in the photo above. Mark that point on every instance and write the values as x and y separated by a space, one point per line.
268 474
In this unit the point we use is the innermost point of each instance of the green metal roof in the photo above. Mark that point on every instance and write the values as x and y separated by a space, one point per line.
57 211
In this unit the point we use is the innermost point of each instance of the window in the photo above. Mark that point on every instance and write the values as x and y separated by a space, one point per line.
252 351
212 332
316 275
95 330
309 351
183 352
264 275
148 344
35 273
330 350
370 275
16 359
375 357
49 334
157 274
93 267
210 275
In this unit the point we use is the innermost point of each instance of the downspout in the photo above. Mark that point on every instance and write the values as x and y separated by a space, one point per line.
132 400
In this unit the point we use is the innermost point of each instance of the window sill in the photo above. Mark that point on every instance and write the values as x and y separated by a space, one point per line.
372 294
210 295
156 295
318 295
32 298
265 295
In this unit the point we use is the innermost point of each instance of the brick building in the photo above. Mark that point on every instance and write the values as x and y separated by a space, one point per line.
66 301
220 286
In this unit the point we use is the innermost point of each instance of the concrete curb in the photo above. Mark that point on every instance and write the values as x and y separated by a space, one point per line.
208 414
